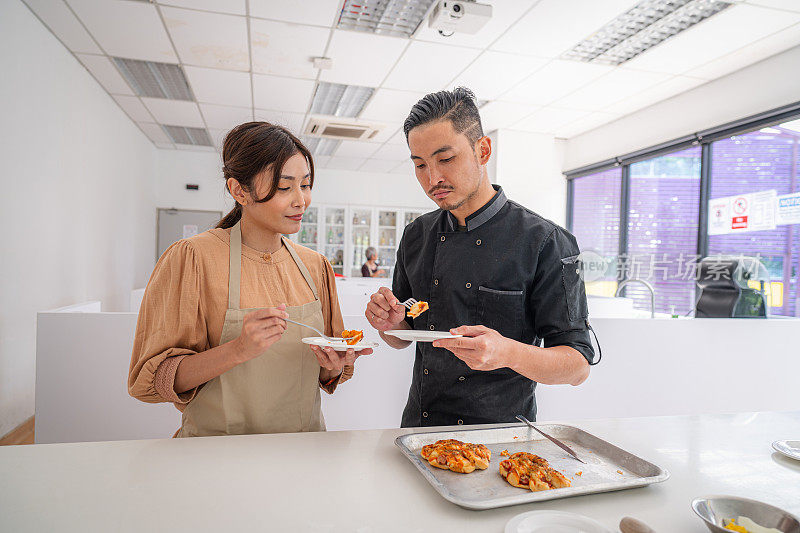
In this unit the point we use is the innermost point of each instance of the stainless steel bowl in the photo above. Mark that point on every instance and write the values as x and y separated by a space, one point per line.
714 509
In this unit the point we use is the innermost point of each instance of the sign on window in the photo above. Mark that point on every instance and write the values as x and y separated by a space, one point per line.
742 213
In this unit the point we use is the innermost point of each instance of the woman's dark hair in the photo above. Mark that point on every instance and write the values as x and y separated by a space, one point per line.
248 150
458 106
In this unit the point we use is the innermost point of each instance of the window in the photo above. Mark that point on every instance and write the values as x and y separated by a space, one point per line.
662 230
761 161
595 222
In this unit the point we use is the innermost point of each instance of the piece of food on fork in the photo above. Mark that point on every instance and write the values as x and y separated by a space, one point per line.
352 336
417 309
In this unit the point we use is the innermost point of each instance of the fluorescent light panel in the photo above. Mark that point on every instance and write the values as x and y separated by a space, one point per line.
184 135
340 100
320 146
647 24
398 18
156 80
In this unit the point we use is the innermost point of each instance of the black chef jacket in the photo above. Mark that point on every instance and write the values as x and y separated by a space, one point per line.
510 270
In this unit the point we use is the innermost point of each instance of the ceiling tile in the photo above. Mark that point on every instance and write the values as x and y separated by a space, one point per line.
657 93
361 58
399 137
493 73
712 38
377 165
291 121
126 29
504 14
315 12
611 88
360 149
406 168
321 161
165 146
554 26
233 7
426 67
553 81
749 54
344 163
217 136
392 152
155 133
216 86
497 114
174 112
390 105
58 17
133 108
286 94
548 119
208 39
194 148
225 117
589 122
286 49
790 5
106 73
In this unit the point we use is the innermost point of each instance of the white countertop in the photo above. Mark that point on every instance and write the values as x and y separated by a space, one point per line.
359 480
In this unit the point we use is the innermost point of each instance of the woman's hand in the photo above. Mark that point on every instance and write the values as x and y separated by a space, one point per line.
260 330
333 362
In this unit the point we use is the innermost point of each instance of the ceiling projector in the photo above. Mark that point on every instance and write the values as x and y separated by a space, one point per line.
462 16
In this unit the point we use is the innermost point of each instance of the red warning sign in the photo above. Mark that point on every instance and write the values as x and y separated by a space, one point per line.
739 222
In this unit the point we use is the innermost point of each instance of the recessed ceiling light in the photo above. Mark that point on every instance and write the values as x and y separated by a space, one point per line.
398 18
340 100
647 24
184 135
156 80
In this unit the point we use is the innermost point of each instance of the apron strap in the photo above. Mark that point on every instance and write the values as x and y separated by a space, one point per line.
235 271
302 267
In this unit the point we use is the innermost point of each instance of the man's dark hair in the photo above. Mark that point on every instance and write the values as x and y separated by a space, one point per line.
457 106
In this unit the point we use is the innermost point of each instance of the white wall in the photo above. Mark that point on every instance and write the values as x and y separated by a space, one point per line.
77 208
760 87
176 168
528 166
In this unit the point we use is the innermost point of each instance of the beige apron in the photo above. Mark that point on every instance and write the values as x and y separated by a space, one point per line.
276 392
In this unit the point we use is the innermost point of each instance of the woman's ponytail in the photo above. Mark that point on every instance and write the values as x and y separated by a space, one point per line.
231 218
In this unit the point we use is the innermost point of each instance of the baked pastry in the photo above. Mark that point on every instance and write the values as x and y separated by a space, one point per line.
417 309
462 457
528 471
352 336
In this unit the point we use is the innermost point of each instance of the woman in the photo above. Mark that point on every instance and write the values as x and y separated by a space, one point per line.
212 336
370 268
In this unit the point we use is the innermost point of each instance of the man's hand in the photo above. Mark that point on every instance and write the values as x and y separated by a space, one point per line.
480 348
384 312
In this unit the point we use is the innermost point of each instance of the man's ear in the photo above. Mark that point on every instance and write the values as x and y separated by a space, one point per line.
236 190
483 148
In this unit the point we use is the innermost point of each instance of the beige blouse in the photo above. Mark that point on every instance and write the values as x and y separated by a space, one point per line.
183 309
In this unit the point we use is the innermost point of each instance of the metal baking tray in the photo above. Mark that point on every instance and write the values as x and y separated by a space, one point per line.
608 468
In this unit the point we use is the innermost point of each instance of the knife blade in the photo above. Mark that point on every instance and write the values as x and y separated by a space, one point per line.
552 439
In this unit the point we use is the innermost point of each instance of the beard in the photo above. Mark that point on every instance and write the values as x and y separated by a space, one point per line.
455 205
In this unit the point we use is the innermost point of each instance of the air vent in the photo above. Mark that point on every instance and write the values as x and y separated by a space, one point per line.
398 18
340 100
183 135
339 129
156 80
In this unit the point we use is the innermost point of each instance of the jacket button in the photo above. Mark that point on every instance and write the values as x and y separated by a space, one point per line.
425 414
478 242
461 378
469 285
460 422
442 238
425 371
433 327
436 282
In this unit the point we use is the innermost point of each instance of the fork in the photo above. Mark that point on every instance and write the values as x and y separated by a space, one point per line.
332 339
408 304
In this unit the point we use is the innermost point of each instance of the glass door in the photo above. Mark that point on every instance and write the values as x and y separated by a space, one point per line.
334 237
309 229
361 237
387 240
410 216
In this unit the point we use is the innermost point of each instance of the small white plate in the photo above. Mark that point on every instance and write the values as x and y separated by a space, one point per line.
789 448
553 522
339 346
420 335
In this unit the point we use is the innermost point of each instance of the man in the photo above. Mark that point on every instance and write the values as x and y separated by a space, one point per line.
491 270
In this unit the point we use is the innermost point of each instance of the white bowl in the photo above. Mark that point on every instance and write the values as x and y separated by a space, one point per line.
714 509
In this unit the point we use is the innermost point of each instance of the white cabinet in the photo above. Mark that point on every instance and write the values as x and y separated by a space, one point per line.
343 234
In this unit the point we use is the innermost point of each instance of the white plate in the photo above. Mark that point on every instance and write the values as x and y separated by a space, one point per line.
789 448
339 346
420 335
553 522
